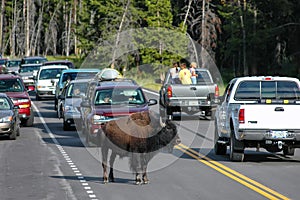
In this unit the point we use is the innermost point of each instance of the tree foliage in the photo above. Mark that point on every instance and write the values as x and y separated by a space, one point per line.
243 36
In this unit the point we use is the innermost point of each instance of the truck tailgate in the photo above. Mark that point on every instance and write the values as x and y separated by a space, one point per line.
273 116
193 91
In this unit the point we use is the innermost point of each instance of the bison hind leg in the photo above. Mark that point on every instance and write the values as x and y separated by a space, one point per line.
138 179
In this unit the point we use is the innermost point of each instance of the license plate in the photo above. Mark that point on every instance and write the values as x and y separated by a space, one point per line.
193 103
278 134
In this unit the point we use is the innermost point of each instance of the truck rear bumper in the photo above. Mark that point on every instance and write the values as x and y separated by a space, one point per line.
260 135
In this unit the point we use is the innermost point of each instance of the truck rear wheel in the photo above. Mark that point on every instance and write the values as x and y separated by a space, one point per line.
236 154
219 148
288 151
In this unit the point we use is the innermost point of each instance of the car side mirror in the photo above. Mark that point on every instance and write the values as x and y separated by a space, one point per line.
16 107
152 102
85 104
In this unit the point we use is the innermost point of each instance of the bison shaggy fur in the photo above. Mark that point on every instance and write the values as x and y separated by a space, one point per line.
139 136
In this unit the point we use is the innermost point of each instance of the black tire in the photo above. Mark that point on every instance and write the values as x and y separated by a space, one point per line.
288 151
169 113
55 103
220 149
235 155
18 131
13 135
212 115
30 120
37 97
66 126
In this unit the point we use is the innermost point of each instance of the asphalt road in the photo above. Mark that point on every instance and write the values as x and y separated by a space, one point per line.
46 162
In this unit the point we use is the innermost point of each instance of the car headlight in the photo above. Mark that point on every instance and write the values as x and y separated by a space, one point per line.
99 119
7 119
41 86
70 109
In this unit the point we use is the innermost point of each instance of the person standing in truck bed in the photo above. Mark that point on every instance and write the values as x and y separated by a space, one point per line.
184 74
174 73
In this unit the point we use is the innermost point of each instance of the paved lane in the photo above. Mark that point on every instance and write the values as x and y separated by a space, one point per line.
46 162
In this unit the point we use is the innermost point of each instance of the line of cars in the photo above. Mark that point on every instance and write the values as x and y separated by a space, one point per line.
106 97
17 78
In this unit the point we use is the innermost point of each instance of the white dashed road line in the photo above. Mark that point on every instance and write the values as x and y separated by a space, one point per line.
67 158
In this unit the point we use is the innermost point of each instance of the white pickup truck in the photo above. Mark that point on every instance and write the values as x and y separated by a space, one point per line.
258 112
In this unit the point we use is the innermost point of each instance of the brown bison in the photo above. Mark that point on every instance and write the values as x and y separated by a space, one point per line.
139 136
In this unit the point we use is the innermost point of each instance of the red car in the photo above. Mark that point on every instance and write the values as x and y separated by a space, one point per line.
110 101
14 88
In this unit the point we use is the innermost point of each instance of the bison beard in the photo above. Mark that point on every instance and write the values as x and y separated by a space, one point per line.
139 136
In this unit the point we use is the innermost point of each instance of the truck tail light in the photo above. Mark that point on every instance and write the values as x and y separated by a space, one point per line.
242 116
216 91
169 92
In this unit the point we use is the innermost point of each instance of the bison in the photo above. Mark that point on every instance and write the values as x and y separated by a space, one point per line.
139 136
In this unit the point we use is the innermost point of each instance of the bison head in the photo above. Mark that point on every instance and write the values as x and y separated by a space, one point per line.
168 136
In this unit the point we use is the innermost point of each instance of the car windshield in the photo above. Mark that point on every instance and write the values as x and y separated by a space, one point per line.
34 61
52 73
119 96
29 68
76 90
11 85
4 104
78 75
255 90
13 63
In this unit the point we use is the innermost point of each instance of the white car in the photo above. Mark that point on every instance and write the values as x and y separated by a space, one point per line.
46 79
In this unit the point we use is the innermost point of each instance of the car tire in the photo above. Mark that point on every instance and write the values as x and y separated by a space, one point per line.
30 120
18 131
288 151
212 115
13 135
219 148
66 126
235 155
37 97
55 103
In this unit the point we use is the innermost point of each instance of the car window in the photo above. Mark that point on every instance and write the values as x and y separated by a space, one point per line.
119 96
11 85
24 69
4 104
203 77
254 90
76 90
78 75
50 73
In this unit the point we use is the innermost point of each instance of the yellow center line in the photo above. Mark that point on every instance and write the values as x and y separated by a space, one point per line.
255 186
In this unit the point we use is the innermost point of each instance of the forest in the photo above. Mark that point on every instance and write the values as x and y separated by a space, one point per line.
243 37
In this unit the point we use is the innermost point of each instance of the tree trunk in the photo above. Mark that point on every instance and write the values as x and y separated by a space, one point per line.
186 14
69 32
27 31
37 38
118 35
2 26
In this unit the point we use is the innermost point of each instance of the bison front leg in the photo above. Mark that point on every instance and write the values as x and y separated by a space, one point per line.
111 163
104 152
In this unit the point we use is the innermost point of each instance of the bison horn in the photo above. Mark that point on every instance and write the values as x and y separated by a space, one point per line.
162 124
